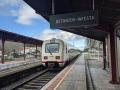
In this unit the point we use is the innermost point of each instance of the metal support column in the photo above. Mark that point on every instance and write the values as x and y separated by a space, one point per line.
113 58
104 55
3 48
24 51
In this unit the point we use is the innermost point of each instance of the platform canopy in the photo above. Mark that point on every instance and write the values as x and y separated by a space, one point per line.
10 36
108 10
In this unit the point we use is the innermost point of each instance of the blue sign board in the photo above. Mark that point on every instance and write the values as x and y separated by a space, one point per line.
73 20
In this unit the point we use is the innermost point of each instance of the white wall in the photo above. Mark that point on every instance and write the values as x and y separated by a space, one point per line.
118 55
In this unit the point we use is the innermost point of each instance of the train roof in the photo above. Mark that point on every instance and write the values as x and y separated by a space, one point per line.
53 39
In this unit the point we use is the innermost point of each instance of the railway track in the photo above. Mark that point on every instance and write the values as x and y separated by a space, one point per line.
38 82
33 82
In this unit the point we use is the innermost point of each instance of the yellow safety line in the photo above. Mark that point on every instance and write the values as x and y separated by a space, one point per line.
63 78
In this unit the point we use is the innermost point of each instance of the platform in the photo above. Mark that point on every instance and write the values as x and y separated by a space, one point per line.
76 79
71 78
16 66
12 64
101 78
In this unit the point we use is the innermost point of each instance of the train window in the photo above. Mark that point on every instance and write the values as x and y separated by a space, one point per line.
52 48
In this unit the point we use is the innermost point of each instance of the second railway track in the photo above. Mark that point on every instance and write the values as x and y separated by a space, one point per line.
38 82
33 82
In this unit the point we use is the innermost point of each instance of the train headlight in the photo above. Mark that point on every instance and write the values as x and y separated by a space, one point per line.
57 57
45 57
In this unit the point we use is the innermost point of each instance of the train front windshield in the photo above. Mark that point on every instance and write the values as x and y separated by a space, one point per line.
52 48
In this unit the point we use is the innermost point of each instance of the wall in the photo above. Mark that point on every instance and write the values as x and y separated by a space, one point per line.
118 56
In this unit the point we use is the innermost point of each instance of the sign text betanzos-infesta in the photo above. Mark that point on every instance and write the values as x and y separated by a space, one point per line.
77 19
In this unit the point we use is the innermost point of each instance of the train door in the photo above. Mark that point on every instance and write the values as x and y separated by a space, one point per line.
65 52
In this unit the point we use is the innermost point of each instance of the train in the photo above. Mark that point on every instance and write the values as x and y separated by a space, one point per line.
56 53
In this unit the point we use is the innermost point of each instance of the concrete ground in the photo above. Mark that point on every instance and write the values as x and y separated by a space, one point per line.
101 77
72 77
76 79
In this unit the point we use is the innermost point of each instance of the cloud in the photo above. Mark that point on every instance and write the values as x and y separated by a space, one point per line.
70 38
7 5
10 2
24 13
27 15
80 43
48 34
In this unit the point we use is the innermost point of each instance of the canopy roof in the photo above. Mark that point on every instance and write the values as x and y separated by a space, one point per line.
109 13
10 36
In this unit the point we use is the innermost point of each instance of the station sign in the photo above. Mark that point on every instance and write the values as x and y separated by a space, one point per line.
72 20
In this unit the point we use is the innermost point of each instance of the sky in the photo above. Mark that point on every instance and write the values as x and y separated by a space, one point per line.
18 17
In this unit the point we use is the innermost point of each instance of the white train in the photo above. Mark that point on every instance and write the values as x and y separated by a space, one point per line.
56 52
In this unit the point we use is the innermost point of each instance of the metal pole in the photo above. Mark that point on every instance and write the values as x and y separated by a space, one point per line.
3 43
113 58
53 7
104 54
93 5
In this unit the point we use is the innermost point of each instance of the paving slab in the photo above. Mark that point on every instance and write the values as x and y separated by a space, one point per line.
101 77
76 78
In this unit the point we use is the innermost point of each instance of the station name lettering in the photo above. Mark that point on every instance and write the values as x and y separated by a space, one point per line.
78 19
